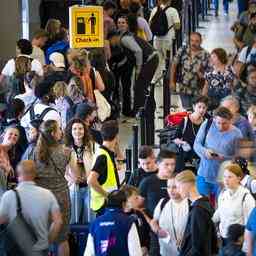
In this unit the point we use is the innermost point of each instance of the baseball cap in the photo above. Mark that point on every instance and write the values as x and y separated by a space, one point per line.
57 59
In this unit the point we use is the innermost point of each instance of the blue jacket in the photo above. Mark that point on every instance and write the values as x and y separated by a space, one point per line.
110 233
222 143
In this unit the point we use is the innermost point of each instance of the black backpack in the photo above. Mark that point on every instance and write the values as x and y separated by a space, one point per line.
41 116
159 23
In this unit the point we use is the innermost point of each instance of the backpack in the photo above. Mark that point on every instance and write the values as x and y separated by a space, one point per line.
159 23
248 185
41 116
244 69
15 83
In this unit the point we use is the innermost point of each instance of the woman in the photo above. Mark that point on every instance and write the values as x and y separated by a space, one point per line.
78 139
187 132
133 207
51 159
53 28
170 218
7 153
31 79
88 78
138 25
235 202
219 81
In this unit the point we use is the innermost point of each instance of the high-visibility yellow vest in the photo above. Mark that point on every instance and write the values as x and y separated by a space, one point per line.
111 184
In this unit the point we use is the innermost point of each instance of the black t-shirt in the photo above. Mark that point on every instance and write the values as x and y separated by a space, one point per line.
138 175
100 166
153 189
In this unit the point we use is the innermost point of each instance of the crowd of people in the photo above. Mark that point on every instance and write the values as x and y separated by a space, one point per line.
59 136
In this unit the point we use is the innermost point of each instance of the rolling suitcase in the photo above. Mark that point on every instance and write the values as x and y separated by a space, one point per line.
78 232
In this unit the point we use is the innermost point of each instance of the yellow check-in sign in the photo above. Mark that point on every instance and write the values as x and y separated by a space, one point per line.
86 27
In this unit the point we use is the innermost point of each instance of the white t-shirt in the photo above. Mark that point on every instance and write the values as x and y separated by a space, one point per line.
173 219
172 17
39 108
242 55
9 67
233 208
38 54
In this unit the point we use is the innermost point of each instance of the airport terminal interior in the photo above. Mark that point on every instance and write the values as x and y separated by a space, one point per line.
127 127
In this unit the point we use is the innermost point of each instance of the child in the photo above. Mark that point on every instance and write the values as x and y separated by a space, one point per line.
133 207
235 241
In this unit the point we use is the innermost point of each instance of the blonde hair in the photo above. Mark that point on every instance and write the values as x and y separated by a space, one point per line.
186 176
53 28
60 89
252 110
235 169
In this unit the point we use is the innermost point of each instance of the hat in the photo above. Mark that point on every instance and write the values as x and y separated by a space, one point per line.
84 109
57 59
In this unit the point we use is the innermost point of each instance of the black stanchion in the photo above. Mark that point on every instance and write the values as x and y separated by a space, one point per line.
166 90
135 130
128 155
142 125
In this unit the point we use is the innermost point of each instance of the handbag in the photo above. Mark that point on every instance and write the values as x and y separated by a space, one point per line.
19 237
103 107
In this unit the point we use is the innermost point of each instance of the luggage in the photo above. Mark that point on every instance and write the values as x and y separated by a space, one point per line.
175 118
78 234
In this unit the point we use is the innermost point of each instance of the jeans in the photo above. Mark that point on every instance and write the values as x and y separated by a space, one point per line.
225 5
143 82
206 188
242 6
162 47
80 204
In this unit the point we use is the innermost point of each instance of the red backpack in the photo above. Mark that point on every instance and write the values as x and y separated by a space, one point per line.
175 118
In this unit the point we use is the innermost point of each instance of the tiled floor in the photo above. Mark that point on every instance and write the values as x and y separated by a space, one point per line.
216 33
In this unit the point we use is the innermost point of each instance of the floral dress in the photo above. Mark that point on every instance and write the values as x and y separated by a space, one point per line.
52 178
220 85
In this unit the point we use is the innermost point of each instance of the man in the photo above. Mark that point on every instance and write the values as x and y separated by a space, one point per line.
38 42
188 68
109 8
246 61
246 95
215 142
114 233
230 102
103 178
42 108
245 35
244 16
200 238
163 44
39 206
146 60
154 187
23 49
147 166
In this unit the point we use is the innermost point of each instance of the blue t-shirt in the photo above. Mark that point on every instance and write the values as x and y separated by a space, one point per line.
251 226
